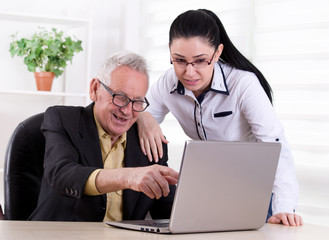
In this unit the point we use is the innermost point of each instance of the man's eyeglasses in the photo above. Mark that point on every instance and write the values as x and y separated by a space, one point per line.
197 64
121 100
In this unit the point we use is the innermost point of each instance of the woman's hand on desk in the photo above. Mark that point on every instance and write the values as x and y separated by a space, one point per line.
288 219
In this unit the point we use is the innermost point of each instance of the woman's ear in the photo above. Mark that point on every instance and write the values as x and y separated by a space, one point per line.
94 84
219 51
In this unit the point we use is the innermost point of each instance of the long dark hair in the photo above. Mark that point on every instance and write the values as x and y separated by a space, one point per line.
204 23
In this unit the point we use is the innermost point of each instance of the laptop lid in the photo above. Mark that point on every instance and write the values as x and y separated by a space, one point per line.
223 186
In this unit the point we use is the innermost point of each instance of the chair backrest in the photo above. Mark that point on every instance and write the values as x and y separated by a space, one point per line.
24 168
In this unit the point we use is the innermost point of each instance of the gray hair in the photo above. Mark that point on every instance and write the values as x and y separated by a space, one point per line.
129 59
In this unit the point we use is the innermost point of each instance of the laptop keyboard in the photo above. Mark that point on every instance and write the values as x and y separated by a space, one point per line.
155 223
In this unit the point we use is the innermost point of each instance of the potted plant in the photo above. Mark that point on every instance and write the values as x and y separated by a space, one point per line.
46 54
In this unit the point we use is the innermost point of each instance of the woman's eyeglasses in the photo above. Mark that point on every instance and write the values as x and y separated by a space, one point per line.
197 64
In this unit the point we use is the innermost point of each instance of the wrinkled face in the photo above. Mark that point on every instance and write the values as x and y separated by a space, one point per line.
194 49
117 120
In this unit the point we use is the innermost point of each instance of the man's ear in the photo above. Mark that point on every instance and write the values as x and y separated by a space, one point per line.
94 85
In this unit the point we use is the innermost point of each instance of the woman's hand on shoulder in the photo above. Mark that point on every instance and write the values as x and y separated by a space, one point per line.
150 136
288 219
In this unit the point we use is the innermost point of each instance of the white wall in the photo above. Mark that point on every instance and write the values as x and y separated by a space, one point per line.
104 38
113 27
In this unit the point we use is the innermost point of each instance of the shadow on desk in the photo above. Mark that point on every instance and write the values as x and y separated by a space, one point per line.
2 217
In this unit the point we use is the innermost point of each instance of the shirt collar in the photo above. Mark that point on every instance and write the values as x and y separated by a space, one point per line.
218 83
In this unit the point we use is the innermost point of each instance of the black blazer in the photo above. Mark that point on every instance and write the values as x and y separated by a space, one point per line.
72 153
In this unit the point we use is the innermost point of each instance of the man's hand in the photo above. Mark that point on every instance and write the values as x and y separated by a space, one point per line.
150 136
288 219
153 180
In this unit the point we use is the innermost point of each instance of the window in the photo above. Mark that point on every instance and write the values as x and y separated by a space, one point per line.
288 41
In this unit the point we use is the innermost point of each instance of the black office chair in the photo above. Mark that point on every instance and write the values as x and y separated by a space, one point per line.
24 168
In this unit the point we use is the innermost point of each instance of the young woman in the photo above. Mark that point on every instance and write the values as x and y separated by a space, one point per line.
217 94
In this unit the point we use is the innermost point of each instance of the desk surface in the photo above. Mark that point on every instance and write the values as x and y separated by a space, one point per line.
26 230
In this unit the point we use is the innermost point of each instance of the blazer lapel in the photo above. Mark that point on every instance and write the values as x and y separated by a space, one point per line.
89 140
90 145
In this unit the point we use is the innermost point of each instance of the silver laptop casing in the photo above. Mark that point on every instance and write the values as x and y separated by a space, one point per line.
223 186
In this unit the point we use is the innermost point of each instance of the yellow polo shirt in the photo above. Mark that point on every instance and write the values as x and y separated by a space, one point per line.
113 157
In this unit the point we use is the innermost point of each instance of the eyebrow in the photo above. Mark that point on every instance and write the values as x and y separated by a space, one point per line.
124 94
200 55
120 92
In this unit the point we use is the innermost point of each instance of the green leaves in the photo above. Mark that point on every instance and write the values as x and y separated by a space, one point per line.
48 51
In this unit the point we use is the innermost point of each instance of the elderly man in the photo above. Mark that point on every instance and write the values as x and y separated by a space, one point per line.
94 168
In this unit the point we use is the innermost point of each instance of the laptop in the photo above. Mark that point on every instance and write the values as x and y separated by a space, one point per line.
222 186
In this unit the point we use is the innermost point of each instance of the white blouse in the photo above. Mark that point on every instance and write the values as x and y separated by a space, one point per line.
236 108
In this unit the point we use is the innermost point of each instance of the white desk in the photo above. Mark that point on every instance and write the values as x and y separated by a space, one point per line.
25 230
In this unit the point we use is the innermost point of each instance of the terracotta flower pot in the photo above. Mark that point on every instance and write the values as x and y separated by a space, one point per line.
44 80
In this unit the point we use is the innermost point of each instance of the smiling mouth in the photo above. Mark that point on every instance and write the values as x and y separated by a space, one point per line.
120 119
